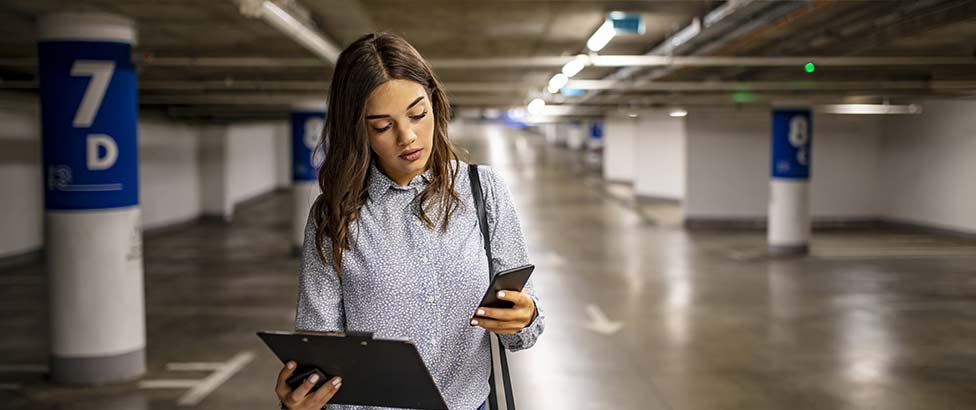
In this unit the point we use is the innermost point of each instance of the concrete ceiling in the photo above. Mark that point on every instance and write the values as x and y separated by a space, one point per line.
462 29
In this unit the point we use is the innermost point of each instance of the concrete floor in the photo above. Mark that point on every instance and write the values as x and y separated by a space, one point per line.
871 320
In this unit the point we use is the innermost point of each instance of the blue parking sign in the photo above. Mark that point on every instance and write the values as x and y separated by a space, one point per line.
88 124
792 137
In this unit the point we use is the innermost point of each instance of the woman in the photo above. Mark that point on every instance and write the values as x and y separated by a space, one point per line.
393 245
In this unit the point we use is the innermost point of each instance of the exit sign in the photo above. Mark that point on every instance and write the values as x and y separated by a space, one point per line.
626 23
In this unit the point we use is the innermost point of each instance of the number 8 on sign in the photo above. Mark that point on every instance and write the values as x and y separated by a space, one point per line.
800 137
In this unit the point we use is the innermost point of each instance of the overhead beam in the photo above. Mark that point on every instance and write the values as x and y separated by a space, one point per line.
553 62
322 87
770 85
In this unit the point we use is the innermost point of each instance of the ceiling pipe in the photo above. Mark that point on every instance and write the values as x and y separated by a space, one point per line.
302 33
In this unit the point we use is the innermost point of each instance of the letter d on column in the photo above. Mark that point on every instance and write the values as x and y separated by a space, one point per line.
96 163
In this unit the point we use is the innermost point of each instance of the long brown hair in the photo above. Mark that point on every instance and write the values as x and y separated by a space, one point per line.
367 63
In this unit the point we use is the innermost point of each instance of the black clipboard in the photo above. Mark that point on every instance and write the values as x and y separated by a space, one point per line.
375 372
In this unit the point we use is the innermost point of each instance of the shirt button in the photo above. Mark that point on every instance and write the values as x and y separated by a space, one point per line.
424 259
433 341
431 299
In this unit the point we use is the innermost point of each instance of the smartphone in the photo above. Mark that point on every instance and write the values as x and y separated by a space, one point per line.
301 374
512 279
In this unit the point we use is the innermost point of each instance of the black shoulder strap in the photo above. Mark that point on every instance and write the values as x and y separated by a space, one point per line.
479 203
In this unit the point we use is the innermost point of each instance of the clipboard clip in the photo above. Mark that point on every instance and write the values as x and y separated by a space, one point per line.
364 335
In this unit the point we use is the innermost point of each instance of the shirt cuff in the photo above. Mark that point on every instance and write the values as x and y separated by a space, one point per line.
525 337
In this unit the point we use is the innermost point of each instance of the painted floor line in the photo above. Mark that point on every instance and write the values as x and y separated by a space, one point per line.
212 382
169 384
199 389
195 366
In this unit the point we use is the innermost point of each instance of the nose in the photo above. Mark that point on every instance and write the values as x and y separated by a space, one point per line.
405 135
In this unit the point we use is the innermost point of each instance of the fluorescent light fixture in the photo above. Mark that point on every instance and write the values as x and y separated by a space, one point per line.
556 82
302 34
601 37
632 115
678 113
575 65
536 106
870 109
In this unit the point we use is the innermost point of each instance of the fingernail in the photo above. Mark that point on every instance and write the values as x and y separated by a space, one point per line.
474 322
338 386
290 365
337 381
501 294
314 378
481 312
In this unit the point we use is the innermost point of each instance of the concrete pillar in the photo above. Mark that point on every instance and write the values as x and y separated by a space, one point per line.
595 135
549 130
594 144
307 120
93 232
661 158
216 204
561 133
619 148
576 135
789 199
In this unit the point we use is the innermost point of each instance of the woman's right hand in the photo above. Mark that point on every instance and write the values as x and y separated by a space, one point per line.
300 399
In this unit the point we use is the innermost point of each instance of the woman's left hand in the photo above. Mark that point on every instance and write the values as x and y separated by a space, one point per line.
510 320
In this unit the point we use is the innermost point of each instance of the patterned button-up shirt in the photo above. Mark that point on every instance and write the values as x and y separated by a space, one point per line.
403 280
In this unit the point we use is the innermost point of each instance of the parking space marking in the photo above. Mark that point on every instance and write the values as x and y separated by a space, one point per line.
195 367
169 384
199 389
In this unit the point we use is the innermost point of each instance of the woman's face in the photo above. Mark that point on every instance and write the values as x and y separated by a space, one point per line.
400 124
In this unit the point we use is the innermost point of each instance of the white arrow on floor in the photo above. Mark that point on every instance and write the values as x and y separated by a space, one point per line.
600 323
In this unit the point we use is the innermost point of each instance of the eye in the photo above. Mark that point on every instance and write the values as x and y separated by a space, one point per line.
379 130
419 117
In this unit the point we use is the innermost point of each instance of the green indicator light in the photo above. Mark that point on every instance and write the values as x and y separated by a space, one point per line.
810 67
743 96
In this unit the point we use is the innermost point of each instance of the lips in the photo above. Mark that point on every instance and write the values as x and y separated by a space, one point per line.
411 155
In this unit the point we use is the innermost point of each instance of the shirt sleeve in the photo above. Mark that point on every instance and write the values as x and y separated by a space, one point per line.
320 306
508 251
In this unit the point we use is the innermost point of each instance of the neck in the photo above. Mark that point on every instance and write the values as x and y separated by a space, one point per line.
400 179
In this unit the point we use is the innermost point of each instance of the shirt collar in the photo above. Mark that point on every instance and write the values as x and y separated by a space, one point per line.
379 184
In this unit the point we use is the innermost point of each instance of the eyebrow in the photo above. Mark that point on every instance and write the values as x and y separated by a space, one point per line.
373 117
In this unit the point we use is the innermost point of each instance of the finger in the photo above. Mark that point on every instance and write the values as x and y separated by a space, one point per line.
497 314
498 330
298 395
518 298
281 388
326 392
495 326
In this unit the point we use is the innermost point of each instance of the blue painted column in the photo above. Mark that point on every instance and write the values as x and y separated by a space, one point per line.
596 134
93 233
307 121
789 200
594 144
